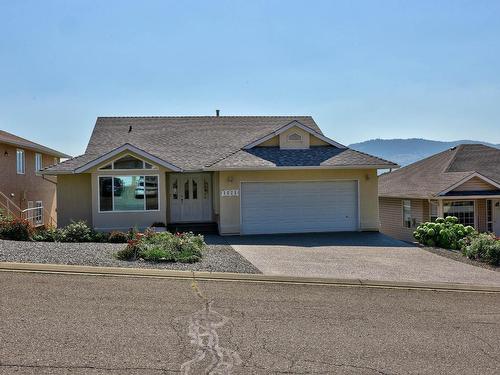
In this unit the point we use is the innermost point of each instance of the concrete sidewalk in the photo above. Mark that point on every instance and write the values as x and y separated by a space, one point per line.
371 256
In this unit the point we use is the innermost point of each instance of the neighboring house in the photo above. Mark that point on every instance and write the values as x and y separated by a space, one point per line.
24 191
463 181
247 174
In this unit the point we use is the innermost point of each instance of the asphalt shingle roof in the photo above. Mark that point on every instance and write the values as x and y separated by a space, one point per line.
195 142
428 177
17 141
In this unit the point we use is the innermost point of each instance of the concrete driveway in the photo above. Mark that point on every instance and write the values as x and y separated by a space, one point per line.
365 256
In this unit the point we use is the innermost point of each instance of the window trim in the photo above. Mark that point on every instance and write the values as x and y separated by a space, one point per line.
489 223
113 196
38 170
403 214
20 151
39 210
474 205
289 137
112 163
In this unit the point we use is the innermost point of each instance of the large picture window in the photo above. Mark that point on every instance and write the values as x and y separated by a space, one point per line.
463 210
128 193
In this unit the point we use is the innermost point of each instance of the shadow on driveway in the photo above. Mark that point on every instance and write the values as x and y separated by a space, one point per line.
358 239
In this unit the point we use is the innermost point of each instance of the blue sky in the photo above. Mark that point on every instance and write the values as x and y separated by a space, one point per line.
362 69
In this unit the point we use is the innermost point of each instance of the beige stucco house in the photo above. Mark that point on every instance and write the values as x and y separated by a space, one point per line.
463 181
246 174
24 191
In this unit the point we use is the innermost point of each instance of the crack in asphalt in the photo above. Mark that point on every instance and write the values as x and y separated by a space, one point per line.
89 367
202 330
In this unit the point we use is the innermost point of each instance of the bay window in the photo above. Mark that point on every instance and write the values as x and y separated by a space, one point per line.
463 210
128 193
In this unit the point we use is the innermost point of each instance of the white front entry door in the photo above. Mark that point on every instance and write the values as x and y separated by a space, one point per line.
496 217
298 207
190 197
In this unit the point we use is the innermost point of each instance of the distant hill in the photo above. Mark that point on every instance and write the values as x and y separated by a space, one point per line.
407 151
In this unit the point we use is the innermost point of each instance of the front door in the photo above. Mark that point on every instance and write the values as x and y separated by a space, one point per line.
496 217
190 197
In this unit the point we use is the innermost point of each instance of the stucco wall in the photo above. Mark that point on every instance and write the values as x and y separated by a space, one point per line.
29 186
368 192
287 144
74 199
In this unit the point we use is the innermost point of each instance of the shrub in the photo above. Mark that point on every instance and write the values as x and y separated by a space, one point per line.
118 237
16 229
484 247
100 237
164 247
446 233
77 231
50 234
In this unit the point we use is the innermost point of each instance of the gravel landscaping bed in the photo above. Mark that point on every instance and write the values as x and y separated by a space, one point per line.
218 257
457 255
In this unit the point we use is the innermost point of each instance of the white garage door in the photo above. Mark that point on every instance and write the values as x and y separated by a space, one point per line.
294 207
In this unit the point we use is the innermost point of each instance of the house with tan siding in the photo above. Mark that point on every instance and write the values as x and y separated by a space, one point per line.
463 181
241 174
24 191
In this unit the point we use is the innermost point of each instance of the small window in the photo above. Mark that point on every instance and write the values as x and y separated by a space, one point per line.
39 213
195 190
175 195
407 221
38 162
295 137
205 188
489 215
434 210
186 189
107 166
20 163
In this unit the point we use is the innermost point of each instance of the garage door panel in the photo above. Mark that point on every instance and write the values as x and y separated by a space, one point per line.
309 206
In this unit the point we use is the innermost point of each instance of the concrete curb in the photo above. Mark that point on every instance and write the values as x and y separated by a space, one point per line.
243 277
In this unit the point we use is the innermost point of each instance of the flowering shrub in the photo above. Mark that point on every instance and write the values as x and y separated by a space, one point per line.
15 229
483 247
445 233
118 237
164 247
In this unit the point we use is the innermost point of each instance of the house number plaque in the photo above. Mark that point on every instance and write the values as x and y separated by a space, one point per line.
230 193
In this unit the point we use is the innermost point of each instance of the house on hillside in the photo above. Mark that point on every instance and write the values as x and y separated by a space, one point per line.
24 191
241 174
463 181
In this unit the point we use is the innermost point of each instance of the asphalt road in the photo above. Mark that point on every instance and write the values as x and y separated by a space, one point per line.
71 324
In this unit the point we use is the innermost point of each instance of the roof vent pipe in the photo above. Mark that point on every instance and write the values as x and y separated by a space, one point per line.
217 112
130 129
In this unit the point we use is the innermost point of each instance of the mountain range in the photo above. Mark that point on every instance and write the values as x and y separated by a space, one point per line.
407 151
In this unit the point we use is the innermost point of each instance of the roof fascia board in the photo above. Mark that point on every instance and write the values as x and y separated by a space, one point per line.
365 166
131 148
290 125
40 148
464 180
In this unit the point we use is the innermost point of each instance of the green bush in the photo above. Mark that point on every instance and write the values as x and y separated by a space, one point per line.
77 231
15 229
118 237
50 234
446 233
483 247
164 247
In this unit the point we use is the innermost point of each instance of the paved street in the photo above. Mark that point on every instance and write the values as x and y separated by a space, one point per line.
366 256
72 324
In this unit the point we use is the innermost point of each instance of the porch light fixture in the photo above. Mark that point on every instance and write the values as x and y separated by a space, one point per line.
230 179
6 153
